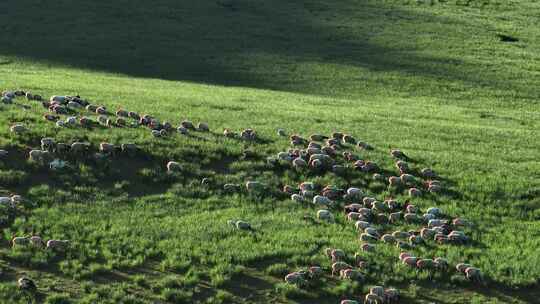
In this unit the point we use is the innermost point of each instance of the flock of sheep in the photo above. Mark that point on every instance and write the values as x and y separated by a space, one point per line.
319 154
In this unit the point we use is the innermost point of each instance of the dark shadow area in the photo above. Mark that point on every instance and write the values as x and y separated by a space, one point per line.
262 44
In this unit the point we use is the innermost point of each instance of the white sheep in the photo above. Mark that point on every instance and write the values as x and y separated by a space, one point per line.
48 144
60 245
39 156
361 225
435 211
182 130
37 241
297 198
325 215
281 132
203 127
20 241
173 166
79 148
60 99
414 192
299 163
294 278
18 129
321 200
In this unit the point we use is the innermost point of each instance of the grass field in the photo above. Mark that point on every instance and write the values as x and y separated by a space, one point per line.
432 78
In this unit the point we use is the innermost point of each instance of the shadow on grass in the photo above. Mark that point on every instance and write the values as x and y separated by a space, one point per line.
257 43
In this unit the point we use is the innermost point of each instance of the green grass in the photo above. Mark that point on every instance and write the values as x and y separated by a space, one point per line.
429 77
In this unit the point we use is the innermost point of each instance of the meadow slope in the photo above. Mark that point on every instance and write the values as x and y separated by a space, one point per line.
432 78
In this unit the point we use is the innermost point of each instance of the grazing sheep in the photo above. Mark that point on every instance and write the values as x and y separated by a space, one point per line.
129 149
349 139
295 278
173 166
371 231
47 144
248 134
187 124
337 267
434 188
322 200
427 233
401 234
404 255
325 215
299 163
60 124
121 122
102 119
25 283
366 237
336 255
101 110
373 299
254 187
473 274
461 267
231 187
60 99
378 206
388 238
349 302
397 153
410 261
37 241
350 274
425 264
79 148
416 240
297 198
122 113
407 179
18 129
435 211
441 264
242 225
391 296
307 186
182 130
91 108
229 133
86 122
459 222
364 146
3 154
436 223
428 173
60 245
281 132
414 192
317 137
20 241
394 181
203 127
361 225
377 290
50 117
6 100
74 105
39 156
155 133
106 148
162 132
134 115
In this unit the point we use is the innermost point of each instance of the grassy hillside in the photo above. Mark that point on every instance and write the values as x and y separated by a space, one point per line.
433 78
